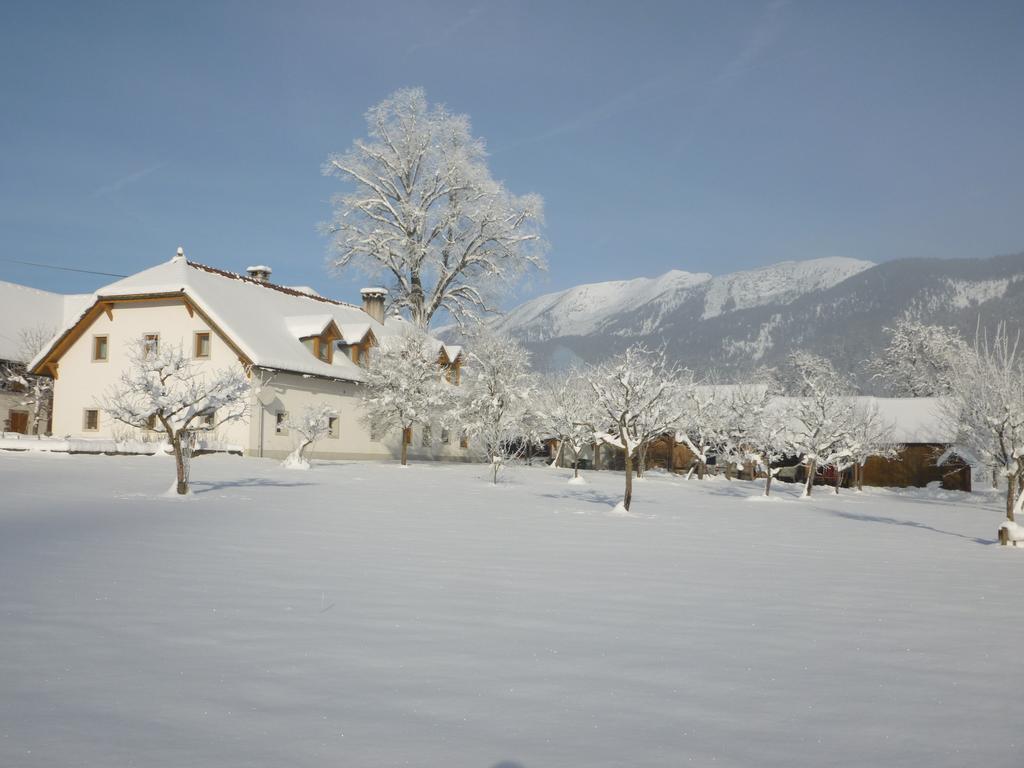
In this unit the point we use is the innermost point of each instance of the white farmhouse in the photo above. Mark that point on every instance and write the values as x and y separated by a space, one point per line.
300 349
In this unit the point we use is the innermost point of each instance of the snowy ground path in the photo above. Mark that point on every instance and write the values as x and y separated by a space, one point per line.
366 615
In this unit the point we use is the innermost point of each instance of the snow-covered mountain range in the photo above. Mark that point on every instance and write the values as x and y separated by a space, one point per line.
837 307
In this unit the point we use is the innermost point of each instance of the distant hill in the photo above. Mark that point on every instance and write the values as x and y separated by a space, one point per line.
835 307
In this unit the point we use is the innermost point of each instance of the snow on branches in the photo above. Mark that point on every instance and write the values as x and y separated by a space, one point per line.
568 412
986 401
311 424
404 386
165 391
496 398
919 360
637 396
425 213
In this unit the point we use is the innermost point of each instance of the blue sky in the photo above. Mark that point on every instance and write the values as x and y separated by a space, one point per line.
709 136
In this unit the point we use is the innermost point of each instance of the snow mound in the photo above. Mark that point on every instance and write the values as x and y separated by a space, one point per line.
1014 532
577 481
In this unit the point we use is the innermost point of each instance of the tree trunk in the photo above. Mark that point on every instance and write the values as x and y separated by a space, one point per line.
728 471
672 455
641 460
1011 496
812 465
179 464
405 447
628 498
576 464
768 482
495 464
702 467
596 450
839 479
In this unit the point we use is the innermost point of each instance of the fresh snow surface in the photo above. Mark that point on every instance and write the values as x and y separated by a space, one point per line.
362 615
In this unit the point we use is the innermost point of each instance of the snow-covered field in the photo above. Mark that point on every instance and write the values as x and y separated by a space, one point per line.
366 615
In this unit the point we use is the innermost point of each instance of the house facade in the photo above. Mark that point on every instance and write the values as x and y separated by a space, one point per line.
298 349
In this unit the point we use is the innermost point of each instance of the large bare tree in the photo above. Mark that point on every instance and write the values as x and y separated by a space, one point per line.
425 215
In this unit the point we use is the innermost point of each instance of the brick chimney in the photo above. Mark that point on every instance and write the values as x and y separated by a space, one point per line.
373 302
259 272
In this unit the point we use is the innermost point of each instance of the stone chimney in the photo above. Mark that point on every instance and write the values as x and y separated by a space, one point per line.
373 302
259 272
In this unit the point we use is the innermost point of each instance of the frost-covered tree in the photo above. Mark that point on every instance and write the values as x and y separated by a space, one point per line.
168 392
425 214
918 360
35 392
759 427
627 390
312 423
496 398
703 422
986 401
567 405
867 435
821 411
404 386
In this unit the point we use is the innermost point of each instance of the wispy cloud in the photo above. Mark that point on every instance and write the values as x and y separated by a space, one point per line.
444 35
762 38
119 184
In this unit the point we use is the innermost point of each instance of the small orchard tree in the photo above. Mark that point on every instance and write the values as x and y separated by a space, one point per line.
868 435
496 398
312 423
166 391
919 359
404 386
702 423
759 426
822 412
568 408
986 401
627 390
425 214
36 392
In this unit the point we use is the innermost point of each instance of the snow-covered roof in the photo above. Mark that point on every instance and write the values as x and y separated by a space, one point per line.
914 419
453 351
909 419
304 326
264 320
26 309
354 333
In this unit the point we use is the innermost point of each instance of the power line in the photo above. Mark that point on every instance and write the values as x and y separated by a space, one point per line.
63 269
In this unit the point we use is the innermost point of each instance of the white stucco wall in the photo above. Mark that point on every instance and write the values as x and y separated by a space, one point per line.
81 383
291 393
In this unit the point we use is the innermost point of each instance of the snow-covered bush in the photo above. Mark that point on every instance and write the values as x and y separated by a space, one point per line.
165 391
404 386
311 424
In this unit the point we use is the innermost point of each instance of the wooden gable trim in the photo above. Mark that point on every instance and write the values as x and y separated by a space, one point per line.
191 306
48 365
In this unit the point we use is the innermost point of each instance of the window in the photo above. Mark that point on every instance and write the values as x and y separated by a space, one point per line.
322 349
446 437
463 440
202 345
425 439
281 423
91 422
151 343
99 349
332 427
